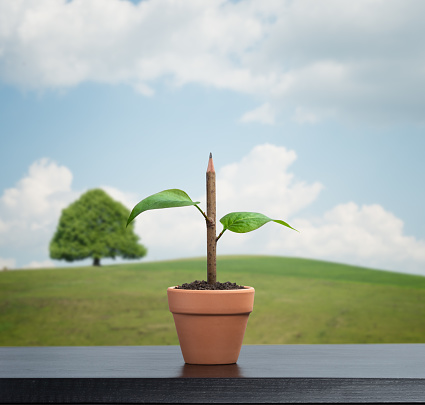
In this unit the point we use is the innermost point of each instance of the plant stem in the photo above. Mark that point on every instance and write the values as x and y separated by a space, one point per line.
202 212
219 236
210 222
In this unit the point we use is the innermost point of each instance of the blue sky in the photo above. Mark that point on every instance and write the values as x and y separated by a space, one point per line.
313 115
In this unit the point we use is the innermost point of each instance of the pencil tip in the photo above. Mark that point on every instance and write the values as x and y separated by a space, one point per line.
210 164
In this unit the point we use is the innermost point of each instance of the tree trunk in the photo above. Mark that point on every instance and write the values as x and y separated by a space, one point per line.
96 261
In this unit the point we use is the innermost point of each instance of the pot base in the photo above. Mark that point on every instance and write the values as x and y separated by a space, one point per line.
210 339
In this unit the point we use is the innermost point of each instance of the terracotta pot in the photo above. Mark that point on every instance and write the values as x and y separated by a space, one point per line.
211 323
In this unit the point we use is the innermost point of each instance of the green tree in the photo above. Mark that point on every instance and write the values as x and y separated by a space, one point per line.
94 226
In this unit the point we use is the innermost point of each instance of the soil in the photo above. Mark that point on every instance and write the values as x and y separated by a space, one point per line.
203 285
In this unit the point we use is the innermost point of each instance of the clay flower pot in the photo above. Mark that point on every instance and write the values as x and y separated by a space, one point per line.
210 323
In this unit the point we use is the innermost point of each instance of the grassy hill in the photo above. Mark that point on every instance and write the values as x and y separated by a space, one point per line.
296 301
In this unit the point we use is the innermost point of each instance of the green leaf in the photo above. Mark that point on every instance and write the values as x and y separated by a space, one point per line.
164 199
241 222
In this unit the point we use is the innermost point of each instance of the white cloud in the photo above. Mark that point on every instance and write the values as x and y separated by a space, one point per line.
365 235
31 209
33 194
172 233
314 60
265 114
262 182
48 43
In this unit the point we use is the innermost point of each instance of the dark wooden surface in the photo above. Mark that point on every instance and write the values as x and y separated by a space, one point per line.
154 374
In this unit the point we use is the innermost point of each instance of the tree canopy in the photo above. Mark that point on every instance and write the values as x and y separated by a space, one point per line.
94 226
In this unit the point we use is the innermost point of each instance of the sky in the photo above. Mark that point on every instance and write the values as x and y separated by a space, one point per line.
313 111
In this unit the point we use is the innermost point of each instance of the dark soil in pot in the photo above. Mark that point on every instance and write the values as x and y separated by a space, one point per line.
203 285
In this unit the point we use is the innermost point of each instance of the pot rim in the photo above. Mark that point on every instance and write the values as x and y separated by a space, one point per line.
246 288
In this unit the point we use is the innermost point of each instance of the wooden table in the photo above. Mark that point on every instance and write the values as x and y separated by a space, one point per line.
269 373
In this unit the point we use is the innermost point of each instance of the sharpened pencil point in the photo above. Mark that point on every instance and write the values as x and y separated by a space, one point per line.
210 168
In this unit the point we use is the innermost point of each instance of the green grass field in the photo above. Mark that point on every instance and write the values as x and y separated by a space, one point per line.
296 301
